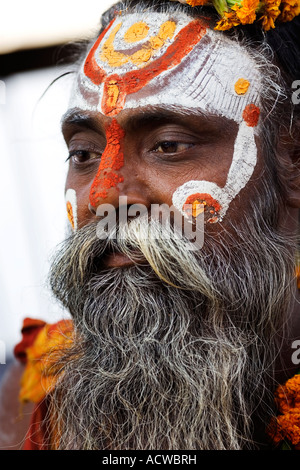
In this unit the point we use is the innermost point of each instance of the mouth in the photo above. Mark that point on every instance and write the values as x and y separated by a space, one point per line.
121 260
117 260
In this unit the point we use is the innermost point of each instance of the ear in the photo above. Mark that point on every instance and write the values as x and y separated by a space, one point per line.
289 157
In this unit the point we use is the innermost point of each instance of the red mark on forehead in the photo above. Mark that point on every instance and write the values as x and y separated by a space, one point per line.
112 161
116 87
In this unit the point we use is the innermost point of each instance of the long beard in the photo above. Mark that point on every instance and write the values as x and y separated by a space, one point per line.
176 352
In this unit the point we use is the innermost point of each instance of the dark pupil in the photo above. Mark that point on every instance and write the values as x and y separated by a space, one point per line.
83 155
170 147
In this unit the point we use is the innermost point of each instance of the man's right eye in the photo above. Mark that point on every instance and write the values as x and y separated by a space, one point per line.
82 156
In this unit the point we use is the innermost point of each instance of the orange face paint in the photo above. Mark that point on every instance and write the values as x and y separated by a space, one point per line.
251 115
111 162
71 203
116 86
202 202
70 214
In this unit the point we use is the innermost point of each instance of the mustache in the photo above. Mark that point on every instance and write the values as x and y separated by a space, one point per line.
161 339
237 264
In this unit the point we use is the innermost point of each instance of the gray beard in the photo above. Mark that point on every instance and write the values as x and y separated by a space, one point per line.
177 352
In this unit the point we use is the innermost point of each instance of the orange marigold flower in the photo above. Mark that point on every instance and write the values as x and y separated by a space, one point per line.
196 3
270 12
228 21
286 426
288 395
42 369
246 13
289 9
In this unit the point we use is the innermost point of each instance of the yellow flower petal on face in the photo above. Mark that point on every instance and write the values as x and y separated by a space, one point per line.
140 57
70 214
136 32
241 86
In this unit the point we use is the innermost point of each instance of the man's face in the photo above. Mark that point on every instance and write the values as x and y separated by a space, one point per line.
164 111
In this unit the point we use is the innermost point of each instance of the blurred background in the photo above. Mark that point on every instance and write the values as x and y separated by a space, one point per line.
33 35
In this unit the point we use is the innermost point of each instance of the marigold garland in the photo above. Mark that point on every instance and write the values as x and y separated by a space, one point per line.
241 12
41 371
285 428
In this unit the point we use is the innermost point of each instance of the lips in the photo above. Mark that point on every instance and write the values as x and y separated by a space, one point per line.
117 260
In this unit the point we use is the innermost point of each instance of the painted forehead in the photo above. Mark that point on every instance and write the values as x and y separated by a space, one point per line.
158 59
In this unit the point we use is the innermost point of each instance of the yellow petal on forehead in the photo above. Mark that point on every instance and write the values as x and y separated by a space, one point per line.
167 30
140 57
136 32
109 54
241 86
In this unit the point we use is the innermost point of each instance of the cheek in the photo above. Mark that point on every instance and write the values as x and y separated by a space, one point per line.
194 197
71 205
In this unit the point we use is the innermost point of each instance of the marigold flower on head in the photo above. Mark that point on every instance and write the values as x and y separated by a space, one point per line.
246 12
196 3
270 12
228 21
289 9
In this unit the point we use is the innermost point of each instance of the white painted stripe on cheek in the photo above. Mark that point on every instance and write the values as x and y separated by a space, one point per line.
241 169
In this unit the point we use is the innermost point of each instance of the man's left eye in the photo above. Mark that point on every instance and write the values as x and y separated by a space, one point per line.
171 147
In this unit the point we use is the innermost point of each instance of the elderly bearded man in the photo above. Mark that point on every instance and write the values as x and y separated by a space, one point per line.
169 347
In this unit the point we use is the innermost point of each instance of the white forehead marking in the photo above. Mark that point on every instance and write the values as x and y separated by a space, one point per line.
153 21
241 169
207 81
203 80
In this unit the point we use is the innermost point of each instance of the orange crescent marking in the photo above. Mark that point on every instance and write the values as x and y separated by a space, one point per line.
135 80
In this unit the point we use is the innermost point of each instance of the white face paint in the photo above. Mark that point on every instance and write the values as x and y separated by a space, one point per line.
71 202
242 167
140 49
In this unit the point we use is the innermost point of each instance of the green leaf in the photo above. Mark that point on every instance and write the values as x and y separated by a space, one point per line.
221 6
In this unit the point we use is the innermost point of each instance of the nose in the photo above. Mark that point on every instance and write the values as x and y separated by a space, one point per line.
117 181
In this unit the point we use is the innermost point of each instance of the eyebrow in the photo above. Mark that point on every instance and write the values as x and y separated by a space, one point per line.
146 115
158 114
80 119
